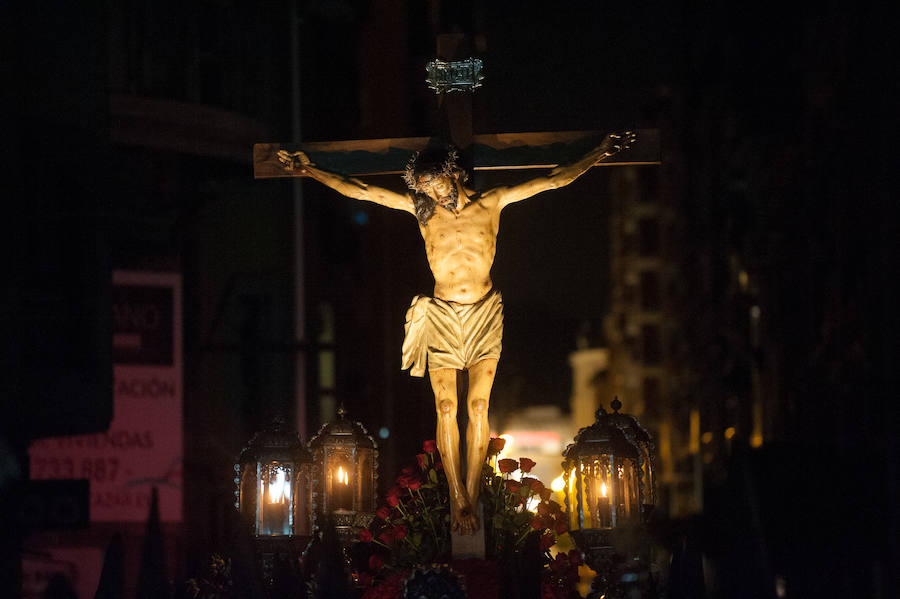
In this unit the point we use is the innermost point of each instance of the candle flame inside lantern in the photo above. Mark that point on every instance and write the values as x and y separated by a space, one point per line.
279 491
603 489
343 476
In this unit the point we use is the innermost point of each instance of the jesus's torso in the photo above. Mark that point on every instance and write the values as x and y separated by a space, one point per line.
460 247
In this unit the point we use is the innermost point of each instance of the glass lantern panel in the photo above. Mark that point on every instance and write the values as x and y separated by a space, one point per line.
599 493
276 486
341 482
626 502
366 473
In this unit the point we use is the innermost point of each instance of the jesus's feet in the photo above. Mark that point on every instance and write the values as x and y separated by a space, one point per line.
462 518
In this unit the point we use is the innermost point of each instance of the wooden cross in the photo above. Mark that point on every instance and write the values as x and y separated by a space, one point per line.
491 152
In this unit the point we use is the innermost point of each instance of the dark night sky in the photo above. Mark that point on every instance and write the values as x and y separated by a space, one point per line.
775 122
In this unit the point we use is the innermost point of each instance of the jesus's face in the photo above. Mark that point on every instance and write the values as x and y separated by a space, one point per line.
440 188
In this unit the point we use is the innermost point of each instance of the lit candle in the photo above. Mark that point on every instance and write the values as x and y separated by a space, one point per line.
343 498
277 493
603 507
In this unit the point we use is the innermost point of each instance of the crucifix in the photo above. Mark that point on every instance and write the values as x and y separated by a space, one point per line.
459 327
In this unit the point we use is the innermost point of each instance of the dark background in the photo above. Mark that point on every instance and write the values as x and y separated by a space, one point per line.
128 127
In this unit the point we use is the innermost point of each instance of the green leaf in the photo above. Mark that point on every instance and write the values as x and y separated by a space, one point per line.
432 476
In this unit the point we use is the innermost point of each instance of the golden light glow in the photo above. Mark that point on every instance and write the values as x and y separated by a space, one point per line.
343 476
279 491
707 437
729 432
558 484
756 440
694 443
603 489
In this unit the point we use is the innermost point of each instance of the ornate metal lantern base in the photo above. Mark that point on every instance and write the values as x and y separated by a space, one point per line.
618 576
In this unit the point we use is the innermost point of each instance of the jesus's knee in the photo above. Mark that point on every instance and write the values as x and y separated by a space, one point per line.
478 407
446 408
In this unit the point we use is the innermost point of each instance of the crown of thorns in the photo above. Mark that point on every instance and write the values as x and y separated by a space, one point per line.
448 168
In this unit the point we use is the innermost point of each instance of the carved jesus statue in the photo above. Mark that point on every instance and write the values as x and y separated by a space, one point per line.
458 328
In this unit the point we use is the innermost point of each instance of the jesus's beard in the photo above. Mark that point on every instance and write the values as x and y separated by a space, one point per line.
451 200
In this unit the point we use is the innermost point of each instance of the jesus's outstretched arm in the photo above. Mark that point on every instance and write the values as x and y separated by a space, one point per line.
564 174
344 185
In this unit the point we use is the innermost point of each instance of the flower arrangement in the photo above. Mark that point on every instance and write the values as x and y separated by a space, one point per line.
413 528
414 525
519 507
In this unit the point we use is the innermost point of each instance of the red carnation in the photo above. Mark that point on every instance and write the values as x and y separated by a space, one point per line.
560 526
383 513
537 523
429 446
555 508
399 532
420 458
385 537
543 509
414 484
495 446
547 541
525 464
513 485
375 562
507 465
365 535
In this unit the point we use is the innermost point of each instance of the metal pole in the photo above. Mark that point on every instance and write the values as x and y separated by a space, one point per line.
299 238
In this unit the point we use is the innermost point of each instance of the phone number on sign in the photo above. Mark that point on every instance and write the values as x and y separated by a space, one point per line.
98 470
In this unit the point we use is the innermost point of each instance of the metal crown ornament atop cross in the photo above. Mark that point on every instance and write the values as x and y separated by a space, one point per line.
456 76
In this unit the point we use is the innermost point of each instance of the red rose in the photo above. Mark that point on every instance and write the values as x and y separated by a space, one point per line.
534 484
420 458
525 465
393 500
383 513
399 532
439 466
543 509
537 523
507 465
560 564
495 446
513 486
375 563
555 508
429 446
404 479
385 537
547 541
545 494
414 484
364 578
365 535
560 527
